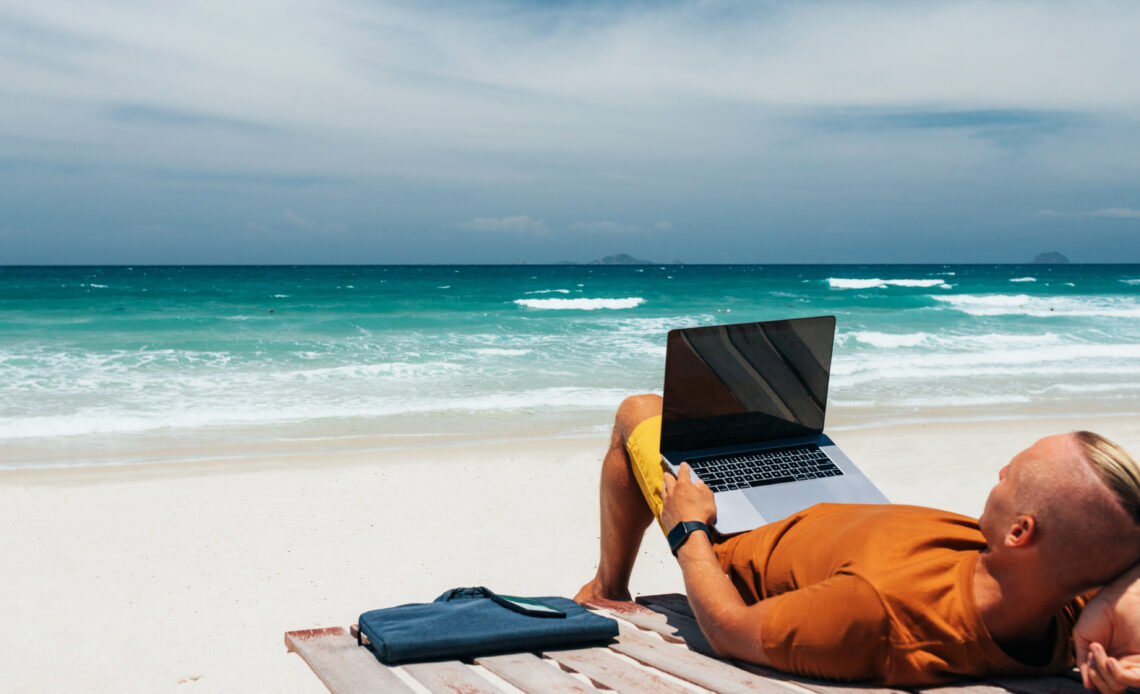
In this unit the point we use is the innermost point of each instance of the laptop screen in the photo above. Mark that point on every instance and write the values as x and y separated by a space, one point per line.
746 383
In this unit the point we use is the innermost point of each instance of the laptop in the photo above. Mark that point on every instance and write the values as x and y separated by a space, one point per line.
744 406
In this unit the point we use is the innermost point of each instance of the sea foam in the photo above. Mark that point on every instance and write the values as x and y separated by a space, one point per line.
1040 306
845 283
581 304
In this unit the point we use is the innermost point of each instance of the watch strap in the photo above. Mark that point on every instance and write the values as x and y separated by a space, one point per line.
680 533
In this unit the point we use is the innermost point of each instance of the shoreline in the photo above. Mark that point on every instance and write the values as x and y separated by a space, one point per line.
238 445
168 572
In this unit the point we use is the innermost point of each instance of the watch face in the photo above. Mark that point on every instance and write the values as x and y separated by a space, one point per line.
680 533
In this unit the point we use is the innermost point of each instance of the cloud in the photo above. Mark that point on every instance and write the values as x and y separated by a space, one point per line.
1106 213
137 113
1116 213
390 77
604 227
323 226
726 116
521 224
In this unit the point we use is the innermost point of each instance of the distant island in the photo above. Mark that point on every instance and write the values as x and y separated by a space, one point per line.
1050 257
619 259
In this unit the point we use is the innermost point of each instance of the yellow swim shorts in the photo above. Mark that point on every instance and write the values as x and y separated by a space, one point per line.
644 448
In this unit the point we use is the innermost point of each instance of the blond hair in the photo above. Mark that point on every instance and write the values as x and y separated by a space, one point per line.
1116 467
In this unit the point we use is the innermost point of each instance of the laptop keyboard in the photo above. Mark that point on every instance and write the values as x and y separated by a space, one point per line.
759 468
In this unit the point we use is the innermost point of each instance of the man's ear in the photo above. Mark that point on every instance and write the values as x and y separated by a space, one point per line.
1022 532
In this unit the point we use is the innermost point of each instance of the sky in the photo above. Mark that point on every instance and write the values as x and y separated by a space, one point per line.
362 131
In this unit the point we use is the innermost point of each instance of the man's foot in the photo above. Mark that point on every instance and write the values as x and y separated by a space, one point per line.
594 590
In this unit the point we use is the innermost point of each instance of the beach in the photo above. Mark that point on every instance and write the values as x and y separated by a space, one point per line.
195 460
184 577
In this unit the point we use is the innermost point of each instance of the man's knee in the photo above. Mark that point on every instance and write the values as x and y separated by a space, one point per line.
634 410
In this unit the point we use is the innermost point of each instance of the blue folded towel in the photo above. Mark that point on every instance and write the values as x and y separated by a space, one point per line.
470 622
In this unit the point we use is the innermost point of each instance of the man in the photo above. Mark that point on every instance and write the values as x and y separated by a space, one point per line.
900 594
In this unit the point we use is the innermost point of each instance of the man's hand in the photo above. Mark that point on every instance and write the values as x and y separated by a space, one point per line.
1107 636
684 499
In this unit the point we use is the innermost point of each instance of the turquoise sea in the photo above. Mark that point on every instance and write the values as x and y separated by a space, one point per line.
133 364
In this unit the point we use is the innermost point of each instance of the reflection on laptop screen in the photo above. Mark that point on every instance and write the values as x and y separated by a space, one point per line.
749 382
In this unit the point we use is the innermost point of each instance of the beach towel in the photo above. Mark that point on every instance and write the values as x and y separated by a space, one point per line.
470 622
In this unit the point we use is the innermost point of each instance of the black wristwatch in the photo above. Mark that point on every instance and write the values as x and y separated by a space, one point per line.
680 533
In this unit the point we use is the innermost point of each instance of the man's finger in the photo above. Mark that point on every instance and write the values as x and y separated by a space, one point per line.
1098 681
1100 671
1082 648
1123 674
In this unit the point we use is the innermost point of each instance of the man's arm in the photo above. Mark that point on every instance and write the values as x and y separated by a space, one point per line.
1107 636
732 627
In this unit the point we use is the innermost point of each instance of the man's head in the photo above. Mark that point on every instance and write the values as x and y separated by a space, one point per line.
1071 504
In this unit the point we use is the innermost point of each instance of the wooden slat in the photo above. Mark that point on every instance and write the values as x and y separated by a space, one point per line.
677 609
966 689
607 670
669 608
529 673
670 625
701 670
658 616
450 677
344 667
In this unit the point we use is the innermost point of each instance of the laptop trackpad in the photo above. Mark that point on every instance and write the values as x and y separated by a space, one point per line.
778 501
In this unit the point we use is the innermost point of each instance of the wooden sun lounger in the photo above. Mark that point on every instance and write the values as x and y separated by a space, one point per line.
659 649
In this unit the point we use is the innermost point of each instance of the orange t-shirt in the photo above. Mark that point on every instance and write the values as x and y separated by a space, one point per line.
875 592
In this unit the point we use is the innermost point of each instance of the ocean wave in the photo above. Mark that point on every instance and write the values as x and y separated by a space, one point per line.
1093 387
948 342
581 304
843 283
1023 279
99 421
397 369
950 401
1132 281
1062 361
551 291
501 352
890 340
1040 306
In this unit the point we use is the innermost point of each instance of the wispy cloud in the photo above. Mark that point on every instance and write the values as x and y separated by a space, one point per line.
946 120
392 77
1104 213
138 113
521 224
1117 213
318 225
604 227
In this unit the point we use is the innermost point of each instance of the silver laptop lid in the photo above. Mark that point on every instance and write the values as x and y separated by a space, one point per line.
746 383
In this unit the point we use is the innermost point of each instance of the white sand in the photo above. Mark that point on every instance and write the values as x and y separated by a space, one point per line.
185 577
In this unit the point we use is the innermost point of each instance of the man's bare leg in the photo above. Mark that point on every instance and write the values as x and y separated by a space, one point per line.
625 515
